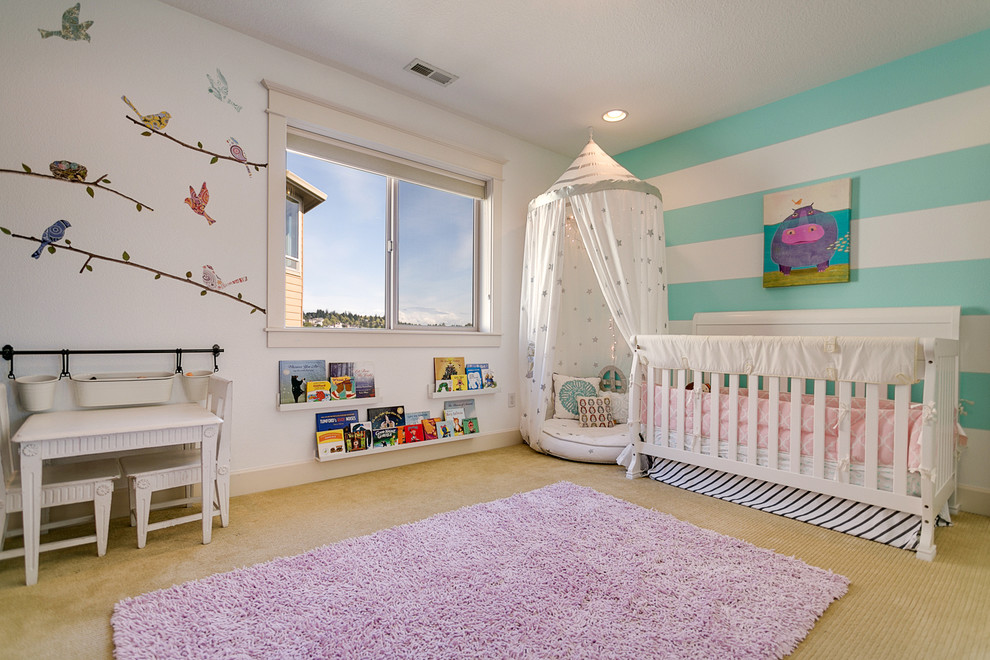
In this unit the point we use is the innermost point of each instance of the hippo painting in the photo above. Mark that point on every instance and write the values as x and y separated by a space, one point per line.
806 238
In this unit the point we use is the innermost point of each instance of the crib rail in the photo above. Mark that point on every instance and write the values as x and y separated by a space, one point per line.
726 436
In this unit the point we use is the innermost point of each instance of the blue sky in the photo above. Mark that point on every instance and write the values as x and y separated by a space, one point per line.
343 246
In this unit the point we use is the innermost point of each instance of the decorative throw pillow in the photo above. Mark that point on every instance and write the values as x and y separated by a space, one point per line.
620 406
595 411
566 390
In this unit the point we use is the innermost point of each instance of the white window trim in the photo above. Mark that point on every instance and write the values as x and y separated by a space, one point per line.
289 107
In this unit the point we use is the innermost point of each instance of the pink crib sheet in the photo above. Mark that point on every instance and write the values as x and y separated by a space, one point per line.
856 420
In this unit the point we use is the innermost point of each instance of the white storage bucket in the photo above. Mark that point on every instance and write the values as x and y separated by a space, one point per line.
195 383
36 393
128 389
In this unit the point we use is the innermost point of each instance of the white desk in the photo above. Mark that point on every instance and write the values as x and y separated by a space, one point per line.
98 431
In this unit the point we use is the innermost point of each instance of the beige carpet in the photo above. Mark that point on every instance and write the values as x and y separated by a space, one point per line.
896 607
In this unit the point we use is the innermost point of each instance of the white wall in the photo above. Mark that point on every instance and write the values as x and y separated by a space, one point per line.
61 100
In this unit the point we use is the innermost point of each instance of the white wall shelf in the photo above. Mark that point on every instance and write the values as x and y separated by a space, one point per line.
460 394
325 405
408 445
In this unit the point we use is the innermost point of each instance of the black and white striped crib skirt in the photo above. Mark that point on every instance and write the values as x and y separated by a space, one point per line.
896 528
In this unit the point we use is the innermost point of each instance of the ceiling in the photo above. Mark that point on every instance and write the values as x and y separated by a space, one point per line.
546 70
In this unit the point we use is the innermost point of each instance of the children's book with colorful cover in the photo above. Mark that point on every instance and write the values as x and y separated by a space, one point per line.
450 414
474 371
336 419
444 385
444 429
458 382
293 376
446 367
360 436
364 380
471 425
417 416
385 436
317 390
430 428
341 388
329 443
488 379
411 433
387 417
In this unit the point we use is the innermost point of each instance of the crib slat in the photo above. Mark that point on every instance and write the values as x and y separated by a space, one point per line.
797 390
733 418
872 435
902 399
819 451
773 423
844 426
754 416
698 408
681 405
716 414
664 407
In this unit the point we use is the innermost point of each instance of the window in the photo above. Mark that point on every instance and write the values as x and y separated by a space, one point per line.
385 233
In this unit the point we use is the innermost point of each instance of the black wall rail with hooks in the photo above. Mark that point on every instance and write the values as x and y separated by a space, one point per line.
8 354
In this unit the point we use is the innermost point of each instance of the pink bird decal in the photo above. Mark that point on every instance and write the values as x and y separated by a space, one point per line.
198 202
212 280
237 153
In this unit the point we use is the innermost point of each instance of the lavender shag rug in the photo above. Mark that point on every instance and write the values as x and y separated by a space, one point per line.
559 572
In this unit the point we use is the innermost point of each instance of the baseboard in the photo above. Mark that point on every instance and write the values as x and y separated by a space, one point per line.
295 474
973 499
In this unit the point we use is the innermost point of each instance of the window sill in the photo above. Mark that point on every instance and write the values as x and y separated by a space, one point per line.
316 338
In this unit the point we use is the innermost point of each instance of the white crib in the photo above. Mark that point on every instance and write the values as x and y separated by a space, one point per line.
843 377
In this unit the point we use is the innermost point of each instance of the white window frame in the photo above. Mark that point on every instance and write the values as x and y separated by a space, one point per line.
291 108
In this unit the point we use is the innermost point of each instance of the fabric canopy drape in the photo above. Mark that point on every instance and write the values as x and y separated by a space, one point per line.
620 220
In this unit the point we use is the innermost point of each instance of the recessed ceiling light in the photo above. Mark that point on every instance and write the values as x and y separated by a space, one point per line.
615 115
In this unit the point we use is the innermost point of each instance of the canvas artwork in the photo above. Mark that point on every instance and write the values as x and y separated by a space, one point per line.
806 234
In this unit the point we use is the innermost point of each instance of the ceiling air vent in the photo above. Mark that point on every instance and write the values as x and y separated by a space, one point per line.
429 71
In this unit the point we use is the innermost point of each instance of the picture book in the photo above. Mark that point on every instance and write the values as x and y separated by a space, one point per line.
444 429
411 433
417 417
384 437
458 382
317 390
471 425
340 369
341 388
387 417
430 428
444 385
452 413
488 379
446 367
338 419
466 406
360 436
329 443
293 376
474 371
364 380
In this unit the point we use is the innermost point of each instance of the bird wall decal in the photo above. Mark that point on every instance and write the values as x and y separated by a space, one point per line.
156 121
198 202
72 29
219 89
237 153
212 280
53 234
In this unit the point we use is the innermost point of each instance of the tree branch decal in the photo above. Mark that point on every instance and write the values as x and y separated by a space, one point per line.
199 146
125 260
90 185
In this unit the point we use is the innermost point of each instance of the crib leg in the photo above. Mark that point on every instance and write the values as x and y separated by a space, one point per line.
926 545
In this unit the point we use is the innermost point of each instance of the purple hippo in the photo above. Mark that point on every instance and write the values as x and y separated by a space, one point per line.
805 238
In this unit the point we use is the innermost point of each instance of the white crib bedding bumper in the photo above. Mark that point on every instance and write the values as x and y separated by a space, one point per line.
853 359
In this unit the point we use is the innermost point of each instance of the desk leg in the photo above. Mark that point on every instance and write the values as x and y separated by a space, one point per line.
31 508
208 447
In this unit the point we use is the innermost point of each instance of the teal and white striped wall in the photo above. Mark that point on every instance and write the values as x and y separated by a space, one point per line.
914 136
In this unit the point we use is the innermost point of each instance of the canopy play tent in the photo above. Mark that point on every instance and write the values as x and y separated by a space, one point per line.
593 279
